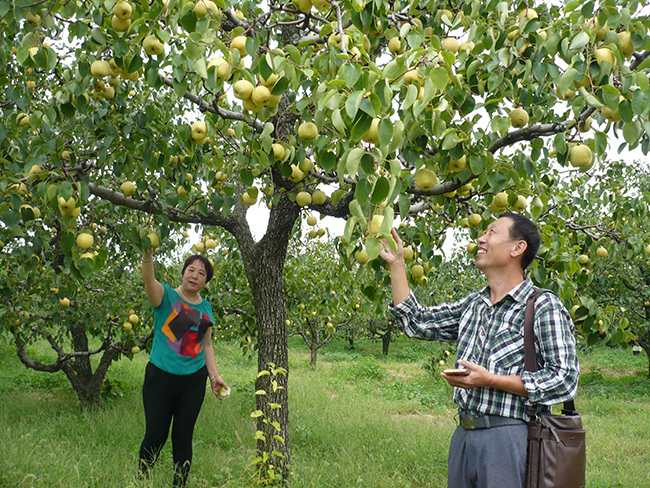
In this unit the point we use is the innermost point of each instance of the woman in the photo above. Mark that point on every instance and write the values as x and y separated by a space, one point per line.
181 359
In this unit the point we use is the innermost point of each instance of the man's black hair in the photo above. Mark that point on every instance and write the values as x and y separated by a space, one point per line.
524 229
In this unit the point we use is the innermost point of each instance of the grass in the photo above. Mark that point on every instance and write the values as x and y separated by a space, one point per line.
359 419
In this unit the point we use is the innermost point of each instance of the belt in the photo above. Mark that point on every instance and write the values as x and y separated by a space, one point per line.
487 422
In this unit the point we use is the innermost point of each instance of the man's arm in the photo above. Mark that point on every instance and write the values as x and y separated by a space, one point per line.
481 377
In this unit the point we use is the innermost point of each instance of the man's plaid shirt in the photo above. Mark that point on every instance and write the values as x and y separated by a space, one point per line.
492 336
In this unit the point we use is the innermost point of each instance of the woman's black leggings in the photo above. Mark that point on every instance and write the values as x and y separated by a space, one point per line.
168 396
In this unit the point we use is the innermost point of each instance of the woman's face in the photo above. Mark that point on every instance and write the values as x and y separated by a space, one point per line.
194 277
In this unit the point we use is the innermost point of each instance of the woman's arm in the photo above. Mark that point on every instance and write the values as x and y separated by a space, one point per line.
216 382
152 286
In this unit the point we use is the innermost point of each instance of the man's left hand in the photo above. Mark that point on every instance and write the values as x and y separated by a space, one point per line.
478 376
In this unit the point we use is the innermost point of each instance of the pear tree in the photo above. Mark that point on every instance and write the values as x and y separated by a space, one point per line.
194 118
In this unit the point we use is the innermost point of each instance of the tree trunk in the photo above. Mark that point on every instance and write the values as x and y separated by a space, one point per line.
264 265
644 341
80 372
77 365
314 357
385 342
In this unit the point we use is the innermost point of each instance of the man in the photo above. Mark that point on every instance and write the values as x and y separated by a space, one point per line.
488 448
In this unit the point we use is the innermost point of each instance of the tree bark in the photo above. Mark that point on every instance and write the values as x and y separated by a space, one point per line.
644 341
264 265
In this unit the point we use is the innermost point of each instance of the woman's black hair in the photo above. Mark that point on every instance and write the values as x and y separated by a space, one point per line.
206 263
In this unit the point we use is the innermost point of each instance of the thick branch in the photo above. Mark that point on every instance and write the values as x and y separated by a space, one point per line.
152 207
214 108
527 134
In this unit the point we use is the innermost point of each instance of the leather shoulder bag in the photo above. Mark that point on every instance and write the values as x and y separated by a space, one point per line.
556 455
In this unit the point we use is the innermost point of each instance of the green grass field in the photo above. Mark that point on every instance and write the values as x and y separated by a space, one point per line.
359 419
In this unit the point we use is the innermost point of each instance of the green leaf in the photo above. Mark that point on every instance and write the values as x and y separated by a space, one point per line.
398 135
411 96
381 190
385 130
280 86
497 181
374 247
363 190
351 73
67 242
391 70
338 122
353 103
387 223
440 78
11 218
352 163
361 126
631 133
355 209
566 80
265 69
201 68
579 41
246 177
610 96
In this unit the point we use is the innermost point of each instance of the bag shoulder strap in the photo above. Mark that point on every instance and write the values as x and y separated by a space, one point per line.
530 357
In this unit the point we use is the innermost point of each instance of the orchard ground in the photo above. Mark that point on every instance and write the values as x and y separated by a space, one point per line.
359 419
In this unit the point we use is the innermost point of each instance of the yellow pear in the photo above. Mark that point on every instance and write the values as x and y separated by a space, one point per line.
85 241
303 199
625 41
372 136
199 130
123 10
243 89
425 179
501 199
127 188
99 68
222 67
307 131
450 44
458 165
278 151
319 197
239 43
580 156
296 174
395 45
120 25
260 95
518 118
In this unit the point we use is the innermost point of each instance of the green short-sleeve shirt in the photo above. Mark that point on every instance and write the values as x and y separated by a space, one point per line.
179 329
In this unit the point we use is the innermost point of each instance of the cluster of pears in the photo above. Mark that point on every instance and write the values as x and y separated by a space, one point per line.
500 203
314 233
85 242
121 20
254 98
199 132
305 5
69 207
153 46
21 189
206 243
202 7
108 69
